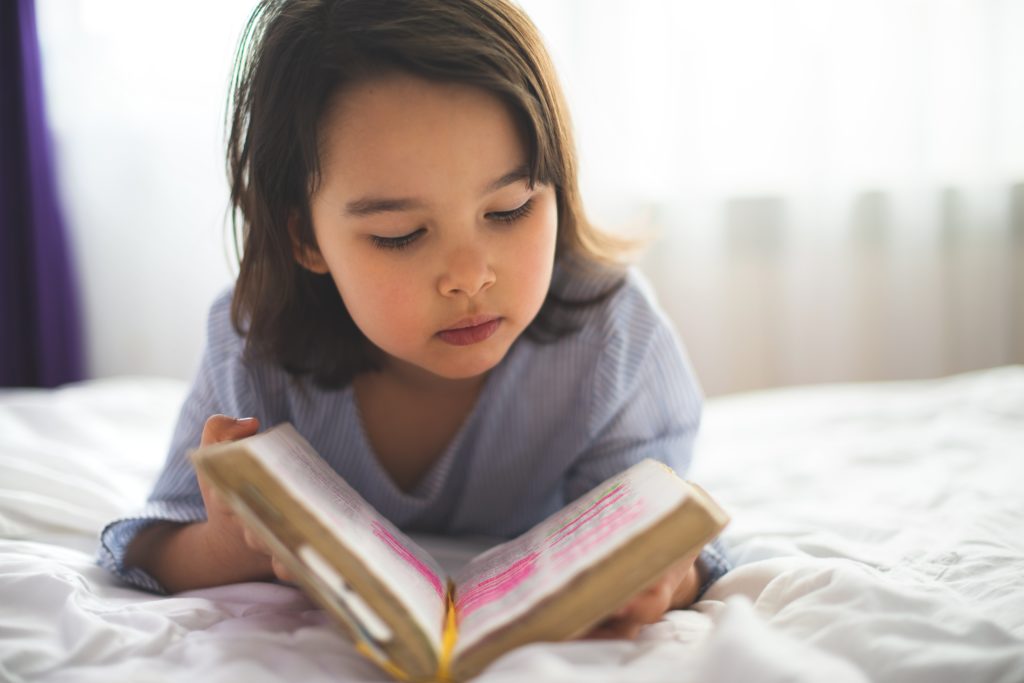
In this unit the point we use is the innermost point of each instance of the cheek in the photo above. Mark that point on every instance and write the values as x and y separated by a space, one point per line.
536 268
377 298
536 256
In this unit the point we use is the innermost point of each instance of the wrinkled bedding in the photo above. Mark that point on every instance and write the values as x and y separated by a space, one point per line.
878 531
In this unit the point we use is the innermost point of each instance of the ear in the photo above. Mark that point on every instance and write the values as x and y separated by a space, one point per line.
309 257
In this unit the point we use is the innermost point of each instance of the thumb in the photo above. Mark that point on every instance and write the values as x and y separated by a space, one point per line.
220 428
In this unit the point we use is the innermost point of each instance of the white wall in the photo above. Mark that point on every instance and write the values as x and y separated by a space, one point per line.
136 96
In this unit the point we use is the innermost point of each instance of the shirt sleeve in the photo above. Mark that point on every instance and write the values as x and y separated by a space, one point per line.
646 403
221 385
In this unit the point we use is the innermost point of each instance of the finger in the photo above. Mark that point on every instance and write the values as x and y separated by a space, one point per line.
649 606
623 611
639 600
280 571
212 500
221 428
614 629
255 542
682 567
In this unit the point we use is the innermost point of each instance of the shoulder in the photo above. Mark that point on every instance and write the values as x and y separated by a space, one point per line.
634 347
629 323
223 363
227 343
224 343
633 311
621 337
238 383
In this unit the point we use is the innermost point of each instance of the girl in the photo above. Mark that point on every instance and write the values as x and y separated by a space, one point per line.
419 293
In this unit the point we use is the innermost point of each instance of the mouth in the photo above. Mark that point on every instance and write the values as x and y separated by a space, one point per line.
472 330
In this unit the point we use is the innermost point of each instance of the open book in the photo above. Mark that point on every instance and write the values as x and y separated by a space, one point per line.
554 582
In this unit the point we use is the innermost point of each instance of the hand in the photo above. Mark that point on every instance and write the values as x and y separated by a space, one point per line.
223 524
676 589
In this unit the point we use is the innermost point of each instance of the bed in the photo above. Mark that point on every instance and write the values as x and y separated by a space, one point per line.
878 531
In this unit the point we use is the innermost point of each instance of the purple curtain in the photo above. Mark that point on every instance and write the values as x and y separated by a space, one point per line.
40 335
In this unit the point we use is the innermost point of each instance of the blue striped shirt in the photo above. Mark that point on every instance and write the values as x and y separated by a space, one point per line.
552 421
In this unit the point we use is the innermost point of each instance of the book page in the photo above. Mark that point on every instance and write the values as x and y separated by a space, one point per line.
512 578
409 572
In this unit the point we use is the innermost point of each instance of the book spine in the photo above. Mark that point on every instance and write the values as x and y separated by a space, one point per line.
448 638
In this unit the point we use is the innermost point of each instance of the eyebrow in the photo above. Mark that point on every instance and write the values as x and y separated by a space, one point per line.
368 206
513 176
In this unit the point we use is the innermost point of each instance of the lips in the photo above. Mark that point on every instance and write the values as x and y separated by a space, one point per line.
472 330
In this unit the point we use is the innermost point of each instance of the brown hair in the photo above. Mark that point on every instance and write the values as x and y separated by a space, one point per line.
293 56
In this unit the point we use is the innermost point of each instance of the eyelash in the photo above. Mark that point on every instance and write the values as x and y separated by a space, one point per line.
395 242
515 214
404 241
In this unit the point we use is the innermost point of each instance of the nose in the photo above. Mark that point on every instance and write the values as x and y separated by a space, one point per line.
466 271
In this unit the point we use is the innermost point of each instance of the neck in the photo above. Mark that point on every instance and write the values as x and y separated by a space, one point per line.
415 380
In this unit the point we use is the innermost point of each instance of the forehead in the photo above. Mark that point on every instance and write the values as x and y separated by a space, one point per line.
396 130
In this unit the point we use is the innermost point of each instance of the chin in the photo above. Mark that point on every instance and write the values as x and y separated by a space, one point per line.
468 368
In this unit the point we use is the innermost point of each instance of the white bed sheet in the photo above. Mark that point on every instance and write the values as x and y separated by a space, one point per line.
878 528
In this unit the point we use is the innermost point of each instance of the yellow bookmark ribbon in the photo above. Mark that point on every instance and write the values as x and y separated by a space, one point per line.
451 634
448 638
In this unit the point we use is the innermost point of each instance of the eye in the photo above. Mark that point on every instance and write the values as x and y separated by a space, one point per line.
396 242
514 215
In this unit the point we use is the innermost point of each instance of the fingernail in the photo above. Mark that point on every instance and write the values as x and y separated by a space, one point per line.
244 420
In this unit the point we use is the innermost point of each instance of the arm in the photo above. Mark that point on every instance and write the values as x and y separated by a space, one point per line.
187 556
184 538
202 554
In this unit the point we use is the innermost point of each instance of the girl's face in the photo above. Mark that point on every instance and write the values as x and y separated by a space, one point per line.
425 221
